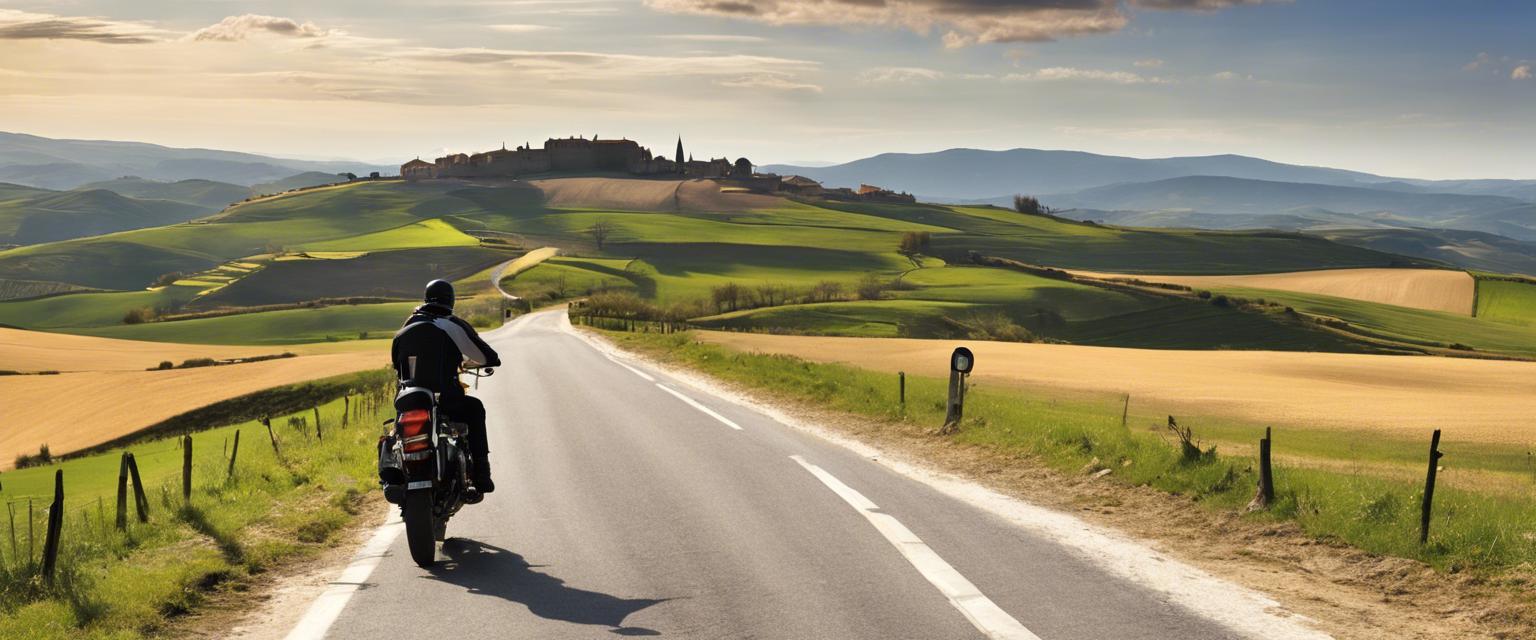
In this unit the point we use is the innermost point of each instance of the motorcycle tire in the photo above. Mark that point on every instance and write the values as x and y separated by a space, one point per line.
419 528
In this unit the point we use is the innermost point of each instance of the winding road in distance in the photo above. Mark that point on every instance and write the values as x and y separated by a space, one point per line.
631 502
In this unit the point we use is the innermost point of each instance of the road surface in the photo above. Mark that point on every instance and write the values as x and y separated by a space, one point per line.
632 503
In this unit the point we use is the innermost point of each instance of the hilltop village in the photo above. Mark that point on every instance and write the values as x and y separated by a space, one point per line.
579 155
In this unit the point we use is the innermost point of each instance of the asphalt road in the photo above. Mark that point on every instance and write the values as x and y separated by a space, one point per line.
636 506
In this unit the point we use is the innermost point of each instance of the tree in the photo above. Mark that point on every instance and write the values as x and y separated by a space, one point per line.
872 287
600 231
727 297
915 241
1030 205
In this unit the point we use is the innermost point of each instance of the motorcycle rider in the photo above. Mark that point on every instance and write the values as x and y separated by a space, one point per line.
439 342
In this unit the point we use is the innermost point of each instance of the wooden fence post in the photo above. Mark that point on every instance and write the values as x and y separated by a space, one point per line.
1125 411
901 385
55 527
268 423
31 536
233 454
1266 494
10 508
1429 486
186 468
122 492
318 436
140 502
346 409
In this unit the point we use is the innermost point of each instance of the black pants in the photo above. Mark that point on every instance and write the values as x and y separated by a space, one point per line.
469 410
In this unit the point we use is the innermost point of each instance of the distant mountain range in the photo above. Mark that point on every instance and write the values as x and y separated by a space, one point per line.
975 174
29 215
66 164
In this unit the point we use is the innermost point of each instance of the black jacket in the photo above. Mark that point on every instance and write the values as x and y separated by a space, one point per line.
438 342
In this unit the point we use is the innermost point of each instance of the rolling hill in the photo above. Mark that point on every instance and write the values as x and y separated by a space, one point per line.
31 216
958 175
208 194
66 164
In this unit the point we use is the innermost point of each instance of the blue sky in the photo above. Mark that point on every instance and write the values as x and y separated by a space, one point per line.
1408 88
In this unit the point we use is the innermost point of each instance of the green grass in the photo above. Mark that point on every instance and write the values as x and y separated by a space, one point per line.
1415 326
124 585
289 326
427 233
1472 529
81 310
1507 302
397 274
869 319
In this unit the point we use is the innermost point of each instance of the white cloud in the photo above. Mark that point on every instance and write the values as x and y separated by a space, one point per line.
774 81
1149 63
522 28
899 75
1522 72
711 37
1051 74
1482 60
235 28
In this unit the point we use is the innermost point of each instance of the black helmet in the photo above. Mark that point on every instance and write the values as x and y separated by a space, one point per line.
440 292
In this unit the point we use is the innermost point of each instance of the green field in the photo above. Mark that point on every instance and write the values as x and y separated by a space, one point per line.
427 233
1507 301
1414 326
288 326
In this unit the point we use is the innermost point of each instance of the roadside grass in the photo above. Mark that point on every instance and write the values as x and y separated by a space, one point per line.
1507 301
397 273
288 326
1414 326
117 585
1489 531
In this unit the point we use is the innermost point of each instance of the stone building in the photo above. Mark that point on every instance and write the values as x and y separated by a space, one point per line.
572 155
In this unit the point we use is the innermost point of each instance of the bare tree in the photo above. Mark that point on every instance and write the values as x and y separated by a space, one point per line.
600 231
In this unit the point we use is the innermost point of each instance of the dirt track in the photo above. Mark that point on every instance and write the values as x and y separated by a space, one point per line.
631 194
1432 289
1473 400
72 411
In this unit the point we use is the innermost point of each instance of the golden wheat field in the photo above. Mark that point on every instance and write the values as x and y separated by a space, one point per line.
1476 400
1431 289
105 392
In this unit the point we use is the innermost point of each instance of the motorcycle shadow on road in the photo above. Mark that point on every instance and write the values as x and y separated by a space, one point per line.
488 570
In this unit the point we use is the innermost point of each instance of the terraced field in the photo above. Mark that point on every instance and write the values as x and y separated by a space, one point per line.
1429 289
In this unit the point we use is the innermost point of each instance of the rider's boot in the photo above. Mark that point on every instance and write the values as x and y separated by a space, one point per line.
482 478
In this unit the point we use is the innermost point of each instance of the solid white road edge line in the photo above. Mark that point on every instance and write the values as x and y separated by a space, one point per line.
989 618
633 370
695 404
323 613
1245 611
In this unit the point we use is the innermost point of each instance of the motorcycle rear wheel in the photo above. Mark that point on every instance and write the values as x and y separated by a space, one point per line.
419 529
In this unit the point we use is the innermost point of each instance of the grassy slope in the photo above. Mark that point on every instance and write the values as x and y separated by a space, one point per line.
127 586
427 233
270 327
1418 326
1507 302
47 216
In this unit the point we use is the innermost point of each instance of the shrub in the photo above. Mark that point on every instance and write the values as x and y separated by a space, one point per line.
43 457
1221 301
1030 205
872 287
1203 294
166 279
164 365
138 316
992 325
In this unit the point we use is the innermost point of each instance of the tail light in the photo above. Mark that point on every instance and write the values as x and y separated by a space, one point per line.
415 434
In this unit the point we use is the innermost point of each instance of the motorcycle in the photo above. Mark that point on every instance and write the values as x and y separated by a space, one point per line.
425 467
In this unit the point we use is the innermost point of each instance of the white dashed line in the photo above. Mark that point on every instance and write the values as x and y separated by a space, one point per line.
693 403
976 607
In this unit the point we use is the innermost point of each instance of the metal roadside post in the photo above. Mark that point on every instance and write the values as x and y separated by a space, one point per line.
960 364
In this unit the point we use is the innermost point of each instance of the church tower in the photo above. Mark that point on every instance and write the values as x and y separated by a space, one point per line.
679 154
